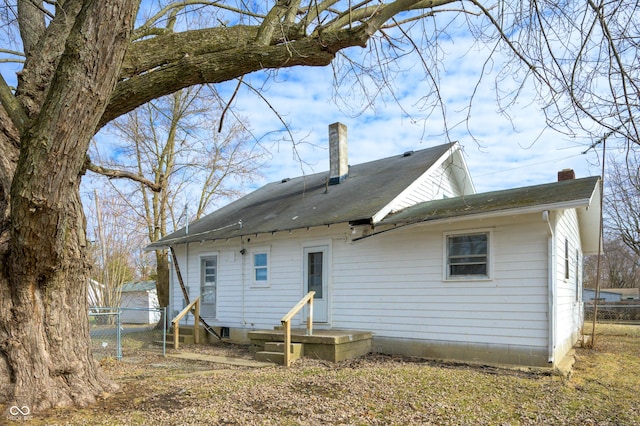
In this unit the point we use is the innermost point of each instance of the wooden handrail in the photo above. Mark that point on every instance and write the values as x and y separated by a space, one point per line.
286 323
195 305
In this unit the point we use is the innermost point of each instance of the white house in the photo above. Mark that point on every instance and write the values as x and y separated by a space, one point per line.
404 248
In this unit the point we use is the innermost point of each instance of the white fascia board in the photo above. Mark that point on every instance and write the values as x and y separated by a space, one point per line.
384 211
589 224
513 212
471 188
576 204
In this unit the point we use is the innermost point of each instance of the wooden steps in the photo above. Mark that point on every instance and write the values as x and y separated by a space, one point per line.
274 352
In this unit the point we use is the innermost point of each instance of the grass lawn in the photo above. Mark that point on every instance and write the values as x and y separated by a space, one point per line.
604 389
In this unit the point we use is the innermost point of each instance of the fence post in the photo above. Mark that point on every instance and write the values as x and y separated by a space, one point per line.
164 331
118 336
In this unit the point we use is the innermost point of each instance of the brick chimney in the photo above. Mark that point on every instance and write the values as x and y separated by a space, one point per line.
566 174
338 161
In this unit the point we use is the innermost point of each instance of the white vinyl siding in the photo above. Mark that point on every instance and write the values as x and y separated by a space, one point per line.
433 186
393 284
568 280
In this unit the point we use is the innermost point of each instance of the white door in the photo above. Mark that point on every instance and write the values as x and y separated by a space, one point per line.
316 267
208 286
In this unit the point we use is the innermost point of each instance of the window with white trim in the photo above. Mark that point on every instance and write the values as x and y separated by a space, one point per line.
467 256
260 265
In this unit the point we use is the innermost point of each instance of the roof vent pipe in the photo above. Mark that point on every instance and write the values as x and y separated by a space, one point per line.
338 158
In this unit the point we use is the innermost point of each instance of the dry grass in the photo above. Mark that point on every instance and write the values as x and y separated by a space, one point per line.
374 390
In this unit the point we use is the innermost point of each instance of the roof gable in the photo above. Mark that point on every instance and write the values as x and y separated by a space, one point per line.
309 201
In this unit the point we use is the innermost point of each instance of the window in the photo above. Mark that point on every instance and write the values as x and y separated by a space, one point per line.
260 259
468 256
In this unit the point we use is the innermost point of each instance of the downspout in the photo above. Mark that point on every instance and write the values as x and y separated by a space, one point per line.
187 283
551 286
243 251
169 309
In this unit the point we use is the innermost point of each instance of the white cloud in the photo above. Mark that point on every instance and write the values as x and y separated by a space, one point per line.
500 152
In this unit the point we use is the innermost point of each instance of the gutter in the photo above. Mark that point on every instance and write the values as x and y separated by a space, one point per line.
551 275
576 204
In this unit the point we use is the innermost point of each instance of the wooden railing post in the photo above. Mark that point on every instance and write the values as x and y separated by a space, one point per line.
176 334
310 318
286 323
287 343
176 322
196 322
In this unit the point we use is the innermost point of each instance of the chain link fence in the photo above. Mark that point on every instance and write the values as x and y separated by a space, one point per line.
615 313
118 332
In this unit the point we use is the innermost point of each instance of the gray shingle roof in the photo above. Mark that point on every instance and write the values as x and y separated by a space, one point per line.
133 286
309 201
564 192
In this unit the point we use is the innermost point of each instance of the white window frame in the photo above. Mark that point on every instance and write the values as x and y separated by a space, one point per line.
488 276
253 252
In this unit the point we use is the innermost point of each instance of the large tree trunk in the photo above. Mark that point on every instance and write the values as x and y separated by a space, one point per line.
162 283
44 327
45 347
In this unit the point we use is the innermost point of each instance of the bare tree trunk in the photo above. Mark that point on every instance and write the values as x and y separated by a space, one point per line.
44 329
162 283
45 348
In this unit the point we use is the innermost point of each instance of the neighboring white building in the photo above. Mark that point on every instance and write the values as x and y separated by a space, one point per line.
95 292
404 248
139 303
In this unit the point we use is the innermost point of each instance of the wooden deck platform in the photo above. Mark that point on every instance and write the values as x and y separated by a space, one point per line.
329 345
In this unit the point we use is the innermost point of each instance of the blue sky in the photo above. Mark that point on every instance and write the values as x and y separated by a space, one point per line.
501 153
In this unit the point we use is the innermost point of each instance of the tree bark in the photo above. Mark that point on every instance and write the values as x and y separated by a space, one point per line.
45 354
162 283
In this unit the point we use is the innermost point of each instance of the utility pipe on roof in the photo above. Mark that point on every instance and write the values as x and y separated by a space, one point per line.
551 274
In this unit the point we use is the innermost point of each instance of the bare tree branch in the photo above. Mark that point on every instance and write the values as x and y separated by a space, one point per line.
12 106
123 174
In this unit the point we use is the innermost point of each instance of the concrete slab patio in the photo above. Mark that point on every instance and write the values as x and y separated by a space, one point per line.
239 362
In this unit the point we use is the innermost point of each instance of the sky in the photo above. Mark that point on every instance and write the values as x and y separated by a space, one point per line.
501 153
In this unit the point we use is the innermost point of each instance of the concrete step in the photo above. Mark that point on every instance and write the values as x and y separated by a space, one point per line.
274 352
297 349
267 356
182 338
188 330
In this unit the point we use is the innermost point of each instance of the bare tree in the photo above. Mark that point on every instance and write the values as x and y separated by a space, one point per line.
110 253
176 142
620 266
622 207
85 64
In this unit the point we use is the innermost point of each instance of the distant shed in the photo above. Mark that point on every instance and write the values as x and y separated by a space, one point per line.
139 303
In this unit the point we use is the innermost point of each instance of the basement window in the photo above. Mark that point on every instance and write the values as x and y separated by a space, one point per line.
467 256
